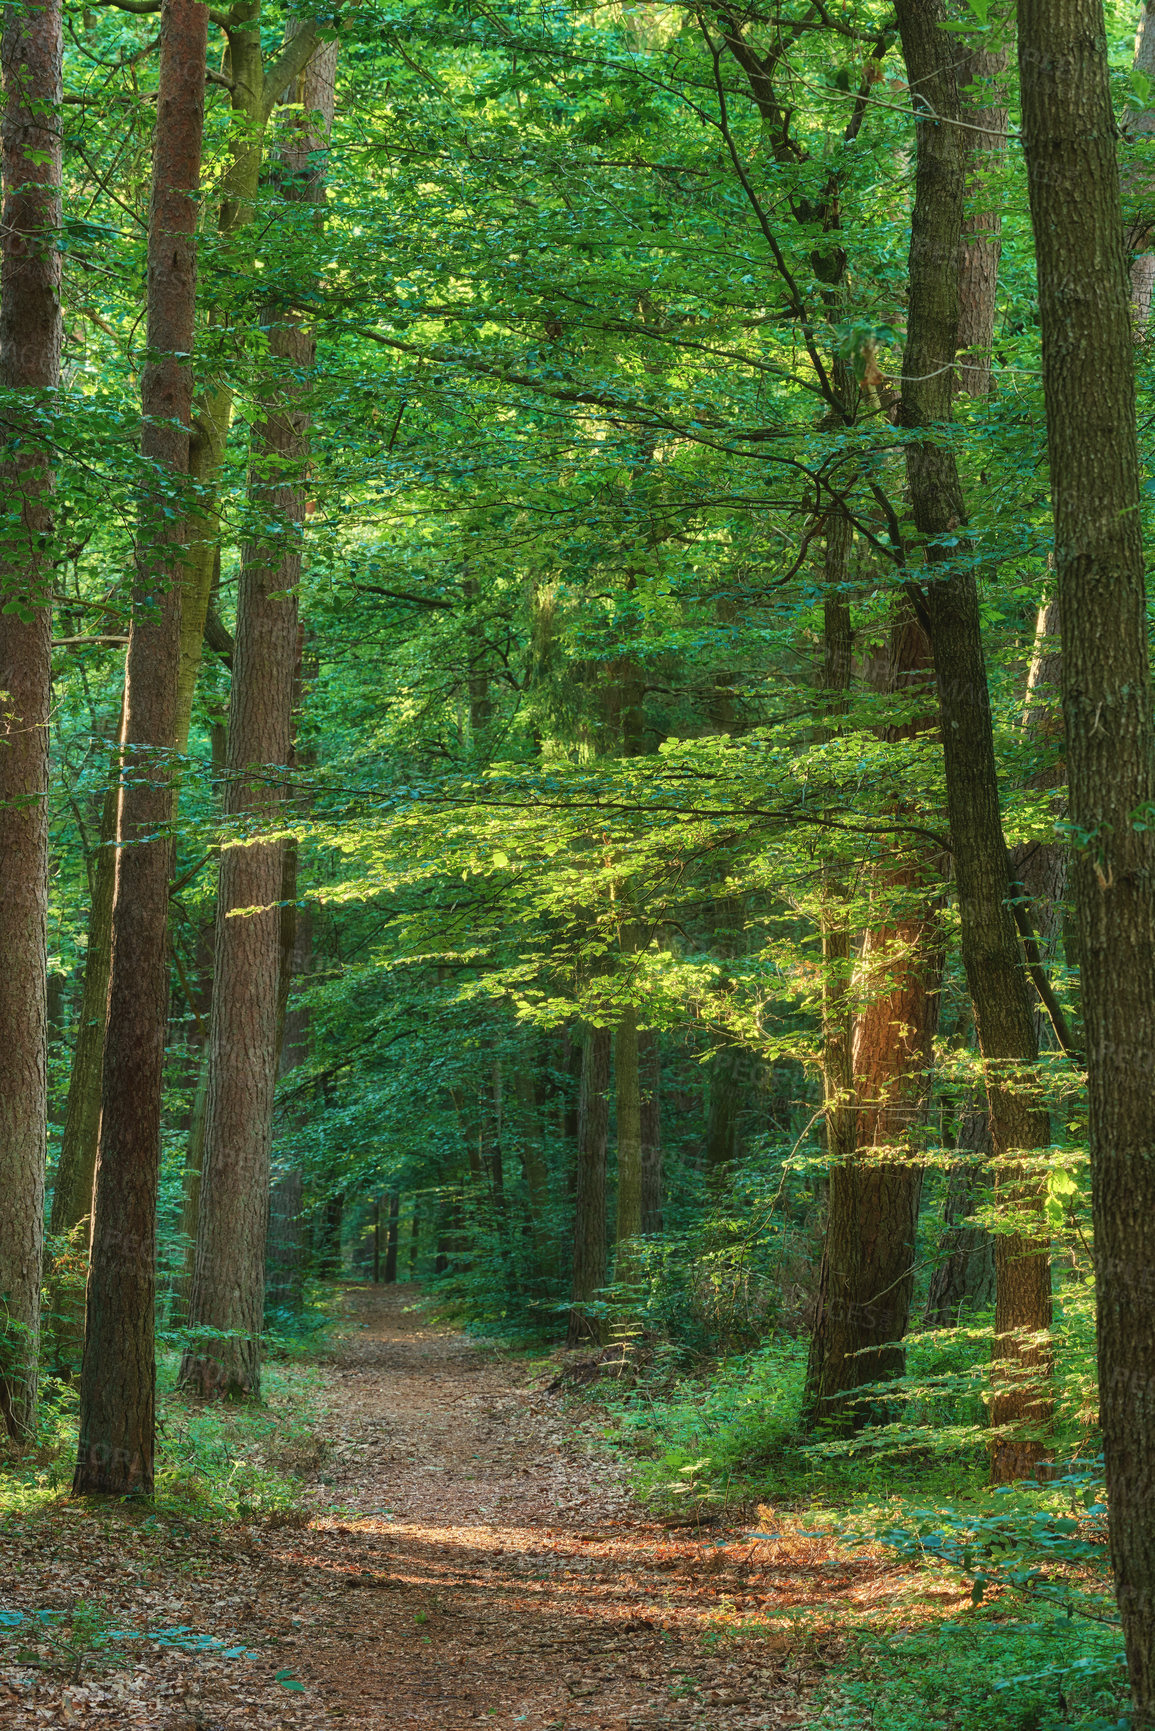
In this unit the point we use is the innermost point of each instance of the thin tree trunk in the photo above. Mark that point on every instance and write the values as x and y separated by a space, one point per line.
1004 1018
629 1127
30 337
650 1074
72 1192
533 1162
117 1385
391 1239
589 1247
415 1238
1069 138
287 1253
1141 123
964 1279
1041 867
330 1224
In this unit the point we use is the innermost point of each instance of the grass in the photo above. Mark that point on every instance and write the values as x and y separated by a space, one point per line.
217 1461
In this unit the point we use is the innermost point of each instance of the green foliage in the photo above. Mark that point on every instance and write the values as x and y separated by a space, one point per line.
983 1673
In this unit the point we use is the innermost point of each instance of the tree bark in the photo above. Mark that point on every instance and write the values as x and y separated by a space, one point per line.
229 1278
117 1385
30 338
1004 1018
982 84
255 89
1069 138
866 1278
589 1246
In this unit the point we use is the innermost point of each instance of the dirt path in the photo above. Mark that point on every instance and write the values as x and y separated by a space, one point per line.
468 1562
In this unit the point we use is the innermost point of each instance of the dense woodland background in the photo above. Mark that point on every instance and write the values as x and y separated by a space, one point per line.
566 900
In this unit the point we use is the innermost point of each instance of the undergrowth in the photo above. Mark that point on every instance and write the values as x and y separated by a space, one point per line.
218 1461
1038 1647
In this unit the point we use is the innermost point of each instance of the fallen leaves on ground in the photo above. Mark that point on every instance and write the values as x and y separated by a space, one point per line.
467 1561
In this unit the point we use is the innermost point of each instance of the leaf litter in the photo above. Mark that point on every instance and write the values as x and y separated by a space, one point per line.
466 1558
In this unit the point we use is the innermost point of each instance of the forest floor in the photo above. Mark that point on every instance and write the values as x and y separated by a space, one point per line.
465 1555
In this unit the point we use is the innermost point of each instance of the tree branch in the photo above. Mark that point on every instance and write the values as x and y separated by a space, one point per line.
1020 903
294 58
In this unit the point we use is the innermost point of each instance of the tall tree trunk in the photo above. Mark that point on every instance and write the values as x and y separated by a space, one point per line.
117 1385
256 87
30 336
530 1139
251 98
1069 138
650 1073
840 1117
229 1278
982 83
964 1279
867 1274
1004 1017
589 1243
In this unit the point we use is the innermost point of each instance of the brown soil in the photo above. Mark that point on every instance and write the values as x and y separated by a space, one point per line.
487 1566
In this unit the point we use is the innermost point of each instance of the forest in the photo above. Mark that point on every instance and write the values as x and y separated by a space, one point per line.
577 864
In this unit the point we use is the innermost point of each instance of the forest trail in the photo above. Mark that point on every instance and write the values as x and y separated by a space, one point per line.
465 1559
512 1580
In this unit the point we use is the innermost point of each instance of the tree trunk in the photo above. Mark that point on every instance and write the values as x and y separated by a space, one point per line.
229 1279
650 1074
726 1074
72 1192
391 1239
30 337
1041 867
1004 1017
629 1126
211 421
415 1238
1069 137
964 1279
532 1158
287 1253
1141 123
866 1277
327 1256
255 89
117 1385
589 1244
982 82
